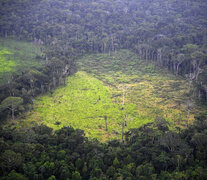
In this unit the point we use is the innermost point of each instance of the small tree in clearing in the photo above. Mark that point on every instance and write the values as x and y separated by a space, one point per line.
11 103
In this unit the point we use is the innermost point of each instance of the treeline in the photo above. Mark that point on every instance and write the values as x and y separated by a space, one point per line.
181 56
171 33
149 152
18 93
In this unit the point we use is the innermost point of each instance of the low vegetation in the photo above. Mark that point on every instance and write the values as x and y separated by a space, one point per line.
17 56
110 90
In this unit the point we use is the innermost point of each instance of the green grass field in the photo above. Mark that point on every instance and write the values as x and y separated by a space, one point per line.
17 56
97 90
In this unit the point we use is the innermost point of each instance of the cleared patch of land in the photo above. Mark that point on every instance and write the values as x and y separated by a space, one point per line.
17 56
113 89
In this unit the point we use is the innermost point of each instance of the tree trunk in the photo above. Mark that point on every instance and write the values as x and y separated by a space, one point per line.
112 43
159 56
64 80
199 94
174 68
206 96
42 88
122 134
105 117
199 71
177 69
124 94
125 120
12 109
32 88
54 81
188 117
123 100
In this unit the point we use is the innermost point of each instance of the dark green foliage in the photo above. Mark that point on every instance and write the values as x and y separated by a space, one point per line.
170 33
67 154
22 89
10 160
11 103
13 175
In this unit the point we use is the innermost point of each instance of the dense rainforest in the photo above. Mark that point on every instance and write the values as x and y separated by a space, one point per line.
149 152
170 34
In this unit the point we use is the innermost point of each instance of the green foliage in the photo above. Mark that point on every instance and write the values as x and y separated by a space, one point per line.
61 155
17 56
76 176
96 92
110 171
112 88
145 170
67 154
6 65
13 175
169 33
79 163
116 162
10 160
11 102
51 178
30 170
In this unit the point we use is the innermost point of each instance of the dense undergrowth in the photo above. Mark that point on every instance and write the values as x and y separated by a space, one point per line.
94 97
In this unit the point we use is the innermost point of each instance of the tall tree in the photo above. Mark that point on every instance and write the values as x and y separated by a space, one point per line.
11 103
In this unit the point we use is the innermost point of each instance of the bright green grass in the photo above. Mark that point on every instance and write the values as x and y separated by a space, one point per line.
97 91
16 56
83 104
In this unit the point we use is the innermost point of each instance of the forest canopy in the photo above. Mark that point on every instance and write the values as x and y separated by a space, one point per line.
170 34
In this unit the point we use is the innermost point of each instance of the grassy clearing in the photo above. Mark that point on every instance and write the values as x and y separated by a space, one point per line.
155 92
16 56
97 90
82 104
